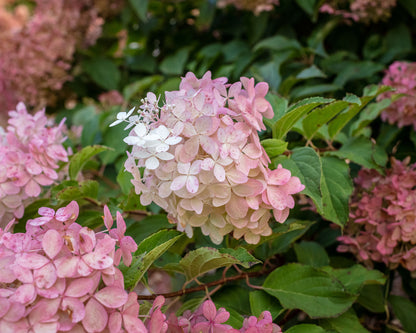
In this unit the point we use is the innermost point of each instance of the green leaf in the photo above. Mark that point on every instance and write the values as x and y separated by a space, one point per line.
124 180
305 328
405 310
320 116
140 86
204 259
175 63
139 230
274 147
246 259
309 165
103 71
313 90
308 289
336 188
277 43
362 151
79 159
261 301
310 72
354 277
307 5
279 105
147 252
370 113
311 253
140 8
354 70
84 189
372 298
348 322
296 112
336 125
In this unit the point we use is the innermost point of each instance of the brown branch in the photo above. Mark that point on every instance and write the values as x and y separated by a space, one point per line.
224 280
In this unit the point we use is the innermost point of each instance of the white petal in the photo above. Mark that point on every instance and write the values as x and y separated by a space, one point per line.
178 183
162 147
140 129
118 121
134 140
183 168
165 156
152 163
192 184
141 153
195 167
162 131
173 140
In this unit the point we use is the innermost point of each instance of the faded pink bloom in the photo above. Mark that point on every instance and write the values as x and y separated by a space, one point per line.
215 175
37 46
256 6
401 76
30 153
382 219
366 11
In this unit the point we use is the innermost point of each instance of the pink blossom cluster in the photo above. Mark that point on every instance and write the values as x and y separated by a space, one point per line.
365 11
30 150
401 76
256 6
382 225
203 160
62 277
37 46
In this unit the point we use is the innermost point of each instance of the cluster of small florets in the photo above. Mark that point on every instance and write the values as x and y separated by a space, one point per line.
30 150
256 6
37 46
402 77
365 11
382 225
61 277
203 160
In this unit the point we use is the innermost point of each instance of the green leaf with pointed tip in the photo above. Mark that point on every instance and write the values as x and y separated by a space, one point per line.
140 8
274 147
305 328
311 253
372 298
354 277
296 112
336 125
140 86
309 289
79 159
309 164
175 63
246 259
147 252
204 259
362 151
320 116
348 322
336 187
368 114
261 301
279 106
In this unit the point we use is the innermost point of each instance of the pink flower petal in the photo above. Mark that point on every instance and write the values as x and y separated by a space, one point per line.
95 319
111 297
52 243
31 260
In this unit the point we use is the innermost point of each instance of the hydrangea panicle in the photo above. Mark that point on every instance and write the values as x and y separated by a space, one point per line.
256 6
203 160
30 152
401 76
382 219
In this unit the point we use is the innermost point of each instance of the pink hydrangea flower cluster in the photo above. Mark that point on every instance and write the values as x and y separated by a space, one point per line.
203 160
365 11
62 277
256 6
208 319
30 151
37 46
382 225
401 76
